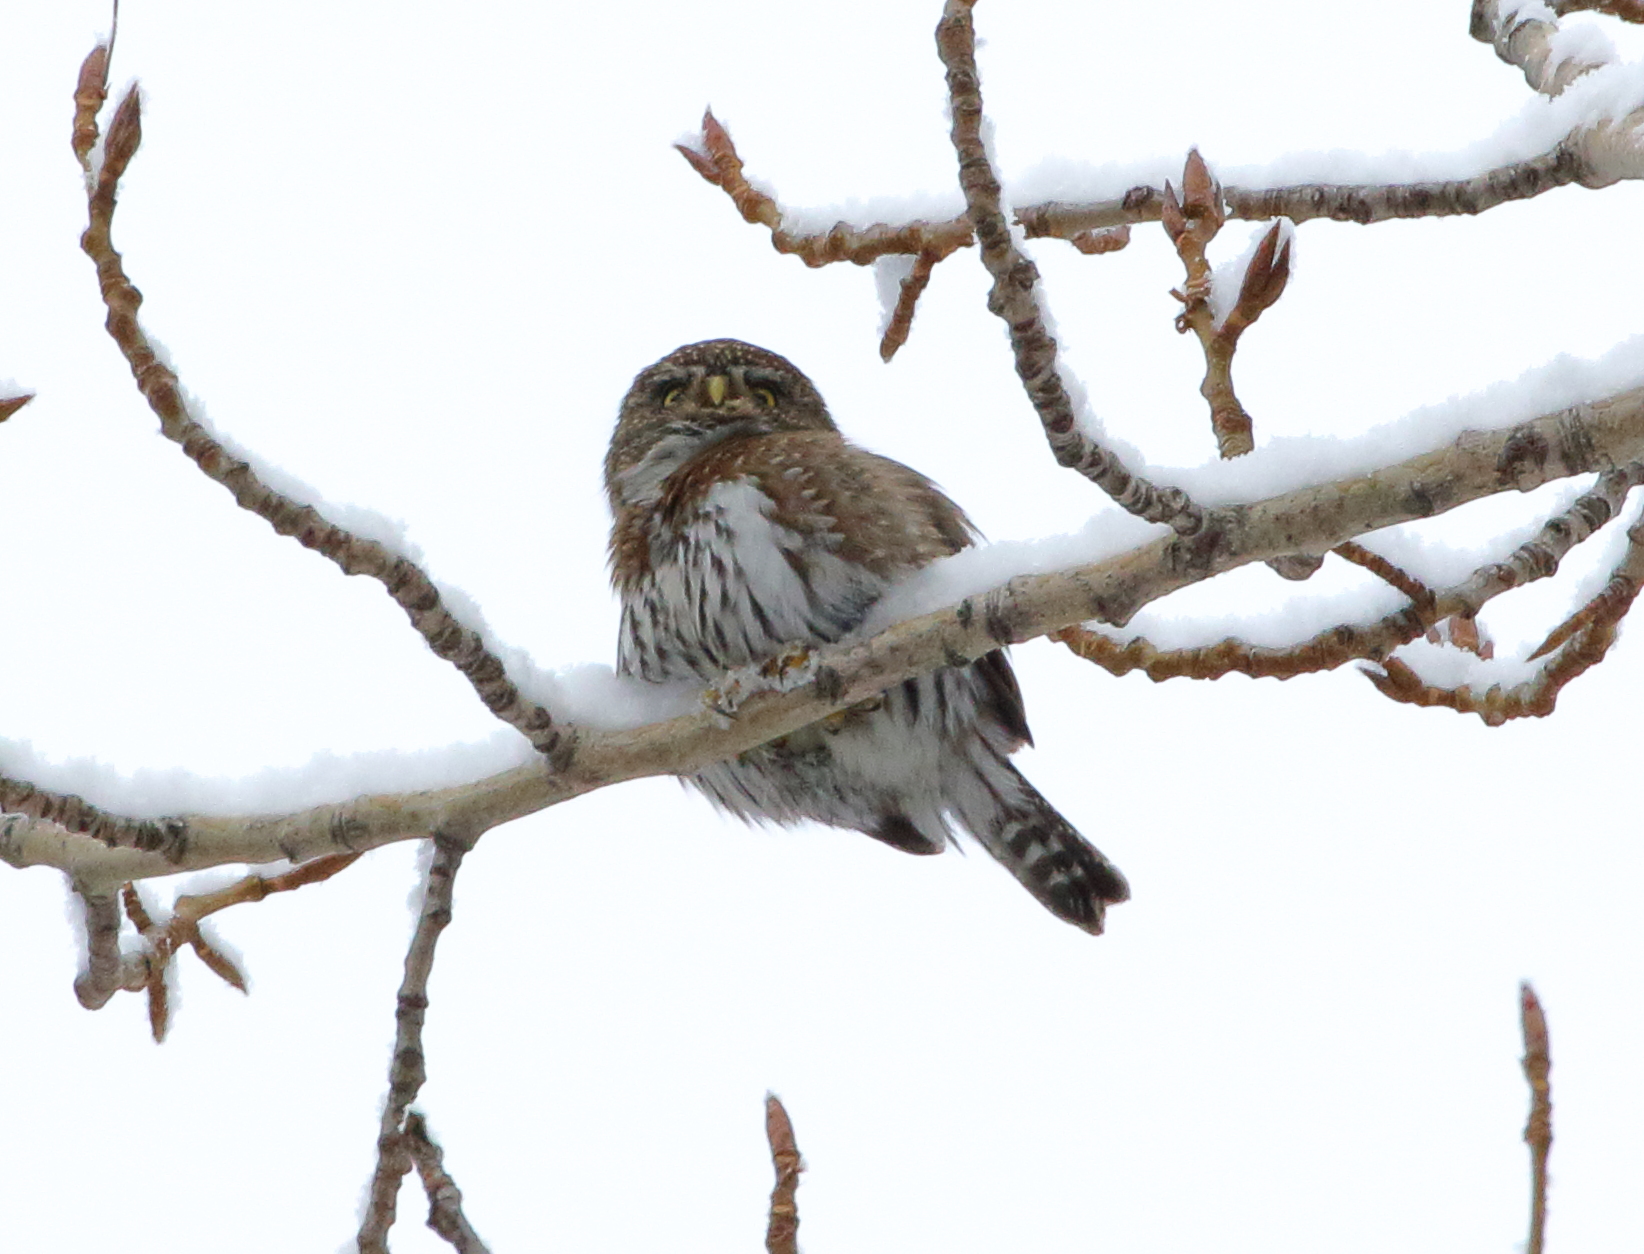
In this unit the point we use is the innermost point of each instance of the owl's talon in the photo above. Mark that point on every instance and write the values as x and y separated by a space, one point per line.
787 670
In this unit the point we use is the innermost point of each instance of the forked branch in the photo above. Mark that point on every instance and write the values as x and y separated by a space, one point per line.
397 1148
1192 222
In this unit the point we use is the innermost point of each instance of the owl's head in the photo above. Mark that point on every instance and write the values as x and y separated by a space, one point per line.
695 397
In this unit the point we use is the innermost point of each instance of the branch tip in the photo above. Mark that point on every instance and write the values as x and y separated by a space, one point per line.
11 404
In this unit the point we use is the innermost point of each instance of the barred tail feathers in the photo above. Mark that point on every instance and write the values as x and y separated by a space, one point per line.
1011 819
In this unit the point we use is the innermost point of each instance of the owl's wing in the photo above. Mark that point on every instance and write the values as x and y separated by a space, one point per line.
848 523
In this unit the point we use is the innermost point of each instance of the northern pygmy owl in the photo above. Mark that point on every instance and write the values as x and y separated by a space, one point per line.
746 523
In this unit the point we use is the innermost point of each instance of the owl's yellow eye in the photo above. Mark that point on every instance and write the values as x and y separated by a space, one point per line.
766 397
672 395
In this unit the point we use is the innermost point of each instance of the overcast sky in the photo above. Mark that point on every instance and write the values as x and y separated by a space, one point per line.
413 255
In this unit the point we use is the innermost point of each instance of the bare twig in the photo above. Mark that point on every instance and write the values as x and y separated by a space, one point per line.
9 405
157 964
162 941
1538 1130
782 1229
1419 593
912 287
406 583
444 1197
408 1069
1497 705
929 242
1324 652
1015 300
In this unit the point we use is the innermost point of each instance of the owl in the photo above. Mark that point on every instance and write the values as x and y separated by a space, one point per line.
744 524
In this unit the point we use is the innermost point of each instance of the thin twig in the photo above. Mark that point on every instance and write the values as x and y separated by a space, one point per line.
1419 593
445 1215
782 1229
1538 1130
107 970
1014 299
1581 642
408 1069
410 588
1192 222
912 288
162 941
1616 596
719 163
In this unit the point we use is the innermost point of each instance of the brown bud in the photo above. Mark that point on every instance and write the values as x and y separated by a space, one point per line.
1106 240
1171 216
1263 283
125 133
1201 194
89 93
715 138
706 168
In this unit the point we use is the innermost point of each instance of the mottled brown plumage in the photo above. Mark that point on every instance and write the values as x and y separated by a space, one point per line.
745 523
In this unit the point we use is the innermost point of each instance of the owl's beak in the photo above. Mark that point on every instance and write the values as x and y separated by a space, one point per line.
717 384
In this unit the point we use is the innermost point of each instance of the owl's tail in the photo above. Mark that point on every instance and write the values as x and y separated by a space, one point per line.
1013 822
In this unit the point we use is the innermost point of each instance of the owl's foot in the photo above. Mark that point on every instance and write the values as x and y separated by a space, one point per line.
792 668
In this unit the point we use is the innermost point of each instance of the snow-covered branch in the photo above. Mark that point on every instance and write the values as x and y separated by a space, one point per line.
1600 436
412 590
1526 34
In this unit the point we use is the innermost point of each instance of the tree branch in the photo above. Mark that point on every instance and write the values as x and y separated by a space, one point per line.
1584 438
1538 1130
444 1197
1527 42
782 1226
927 242
408 1069
1016 302
410 588
1568 162
1537 558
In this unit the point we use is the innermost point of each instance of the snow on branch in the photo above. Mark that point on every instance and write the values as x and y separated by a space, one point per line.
926 242
1015 300
1527 35
1596 437
1453 610
354 554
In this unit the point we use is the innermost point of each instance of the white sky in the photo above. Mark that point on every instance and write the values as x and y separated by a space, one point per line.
413 255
